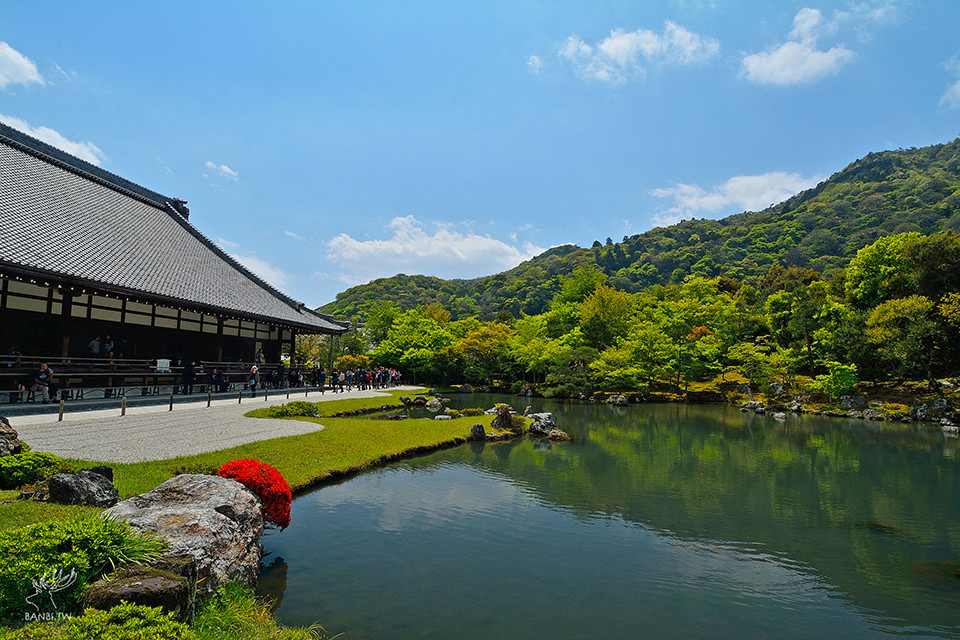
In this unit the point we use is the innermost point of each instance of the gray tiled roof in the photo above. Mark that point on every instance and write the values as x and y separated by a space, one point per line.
63 218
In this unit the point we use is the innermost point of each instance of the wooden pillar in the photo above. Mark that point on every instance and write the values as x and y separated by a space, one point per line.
66 308
293 344
219 357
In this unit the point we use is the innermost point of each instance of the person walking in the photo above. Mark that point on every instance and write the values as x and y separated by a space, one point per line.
254 380
189 377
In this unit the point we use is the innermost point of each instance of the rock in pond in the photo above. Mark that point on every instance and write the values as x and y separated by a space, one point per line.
216 520
542 424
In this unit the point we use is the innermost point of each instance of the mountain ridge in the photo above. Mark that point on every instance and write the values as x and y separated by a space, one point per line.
820 228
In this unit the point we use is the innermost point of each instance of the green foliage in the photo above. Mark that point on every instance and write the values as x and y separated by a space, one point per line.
412 341
485 352
295 409
352 362
840 379
30 467
879 271
75 552
235 612
122 622
905 332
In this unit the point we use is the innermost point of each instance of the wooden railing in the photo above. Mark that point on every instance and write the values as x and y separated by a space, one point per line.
88 378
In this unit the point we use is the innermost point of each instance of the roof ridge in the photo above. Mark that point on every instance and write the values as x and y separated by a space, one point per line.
65 160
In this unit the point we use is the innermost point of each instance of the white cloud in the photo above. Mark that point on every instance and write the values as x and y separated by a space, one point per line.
623 55
444 253
271 273
223 242
222 169
801 60
744 193
534 63
291 234
83 150
951 97
15 68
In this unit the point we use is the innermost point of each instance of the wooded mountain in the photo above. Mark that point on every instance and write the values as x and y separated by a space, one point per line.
821 228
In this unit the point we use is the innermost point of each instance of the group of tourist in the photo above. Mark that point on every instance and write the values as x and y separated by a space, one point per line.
362 379
336 380
106 348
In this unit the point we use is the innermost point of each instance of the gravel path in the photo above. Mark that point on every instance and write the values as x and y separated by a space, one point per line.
156 433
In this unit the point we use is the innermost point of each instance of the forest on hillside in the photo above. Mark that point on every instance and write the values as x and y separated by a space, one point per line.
886 193
856 279
893 313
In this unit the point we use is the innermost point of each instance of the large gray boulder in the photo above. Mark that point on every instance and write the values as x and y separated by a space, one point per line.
618 400
504 419
855 403
542 424
216 520
86 486
9 439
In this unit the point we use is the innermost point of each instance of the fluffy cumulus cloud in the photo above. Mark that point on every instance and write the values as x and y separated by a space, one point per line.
269 272
83 150
624 55
740 193
15 68
443 252
222 170
802 59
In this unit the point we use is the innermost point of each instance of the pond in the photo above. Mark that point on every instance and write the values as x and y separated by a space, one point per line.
659 521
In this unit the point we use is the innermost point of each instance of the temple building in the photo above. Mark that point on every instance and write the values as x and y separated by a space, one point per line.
86 254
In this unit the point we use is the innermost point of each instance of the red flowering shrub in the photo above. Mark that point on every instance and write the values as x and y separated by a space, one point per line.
266 482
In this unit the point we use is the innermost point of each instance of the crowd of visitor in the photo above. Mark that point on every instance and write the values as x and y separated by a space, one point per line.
41 385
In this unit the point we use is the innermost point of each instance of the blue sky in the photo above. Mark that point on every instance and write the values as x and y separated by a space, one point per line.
325 144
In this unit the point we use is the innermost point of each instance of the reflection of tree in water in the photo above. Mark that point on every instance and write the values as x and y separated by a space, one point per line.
273 582
869 505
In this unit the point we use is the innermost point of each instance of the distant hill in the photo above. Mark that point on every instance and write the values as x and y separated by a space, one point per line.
821 228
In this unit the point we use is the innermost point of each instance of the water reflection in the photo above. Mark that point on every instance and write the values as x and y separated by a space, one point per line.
273 581
674 519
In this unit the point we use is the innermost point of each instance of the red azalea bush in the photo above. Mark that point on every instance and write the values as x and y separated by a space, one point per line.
266 482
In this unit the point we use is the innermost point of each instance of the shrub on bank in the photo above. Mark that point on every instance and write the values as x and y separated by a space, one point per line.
122 622
30 467
44 567
295 409
266 482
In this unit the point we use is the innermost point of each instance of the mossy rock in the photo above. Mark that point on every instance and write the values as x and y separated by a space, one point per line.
146 586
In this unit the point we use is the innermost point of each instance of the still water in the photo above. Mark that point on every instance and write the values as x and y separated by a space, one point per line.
658 521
